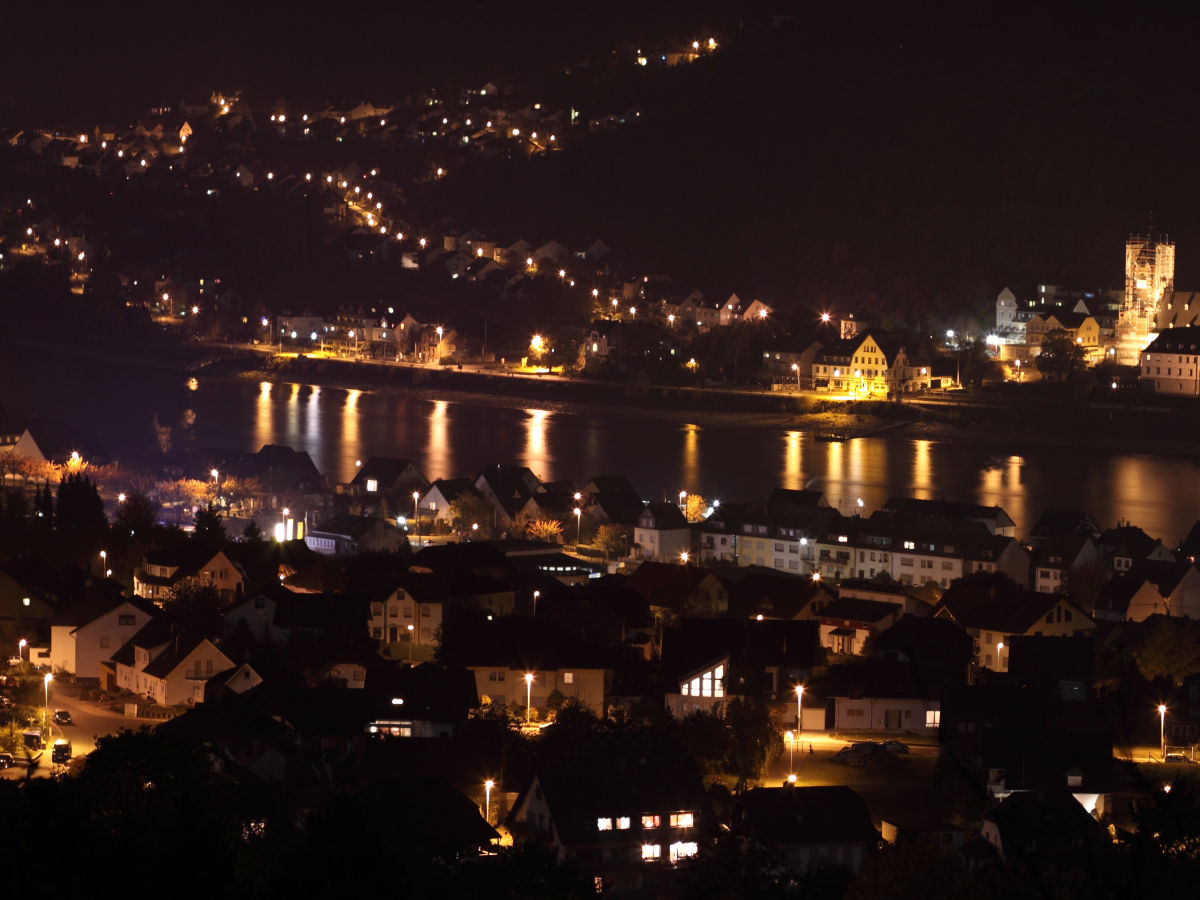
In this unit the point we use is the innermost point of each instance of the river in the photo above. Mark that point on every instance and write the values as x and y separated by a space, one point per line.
661 457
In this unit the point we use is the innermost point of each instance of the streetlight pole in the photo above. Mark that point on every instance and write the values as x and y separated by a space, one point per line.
799 710
487 800
578 522
528 695
417 517
790 739
46 714
1162 732
21 648
411 638
999 648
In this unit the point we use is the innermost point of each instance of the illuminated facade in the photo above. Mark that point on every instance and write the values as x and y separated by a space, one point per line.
1149 278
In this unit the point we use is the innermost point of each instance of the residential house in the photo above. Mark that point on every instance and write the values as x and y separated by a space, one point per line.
662 534
164 572
1056 558
810 827
424 701
1171 363
628 826
86 635
867 365
992 610
396 479
847 623
507 488
1151 588
1128 544
177 675
443 493
507 685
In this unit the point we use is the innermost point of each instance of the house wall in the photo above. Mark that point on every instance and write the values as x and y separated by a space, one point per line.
884 714
662 546
805 856
97 641
507 686
1171 373
185 683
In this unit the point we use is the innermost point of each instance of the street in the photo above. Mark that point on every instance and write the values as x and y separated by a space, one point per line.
89 722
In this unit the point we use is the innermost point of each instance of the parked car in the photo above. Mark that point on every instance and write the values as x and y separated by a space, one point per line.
34 740
61 752
7 761
62 717
897 747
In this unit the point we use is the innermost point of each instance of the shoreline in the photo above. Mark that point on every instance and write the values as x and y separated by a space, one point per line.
1005 429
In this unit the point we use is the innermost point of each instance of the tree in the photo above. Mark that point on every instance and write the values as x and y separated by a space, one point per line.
695 508
470 508
754 740
209 530
610 538
79 508
545 530
1170 651
1061 357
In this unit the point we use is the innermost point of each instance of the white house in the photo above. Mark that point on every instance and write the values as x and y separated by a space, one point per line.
176 676
662 533
89 633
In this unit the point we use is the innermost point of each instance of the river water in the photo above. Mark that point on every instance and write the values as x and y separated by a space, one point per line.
134 413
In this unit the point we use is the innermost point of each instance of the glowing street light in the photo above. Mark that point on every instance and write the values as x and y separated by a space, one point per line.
578 520
999 648
50 677
487 800
417 515
103 561
411 640
683 557
21 648
790 739
799 709
528 695
1162 732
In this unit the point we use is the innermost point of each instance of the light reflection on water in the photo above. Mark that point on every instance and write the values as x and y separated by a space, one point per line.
659 456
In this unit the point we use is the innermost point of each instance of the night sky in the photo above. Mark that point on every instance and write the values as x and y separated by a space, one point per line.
917 159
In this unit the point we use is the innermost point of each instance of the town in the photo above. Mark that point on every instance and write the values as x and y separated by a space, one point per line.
341 544
916 678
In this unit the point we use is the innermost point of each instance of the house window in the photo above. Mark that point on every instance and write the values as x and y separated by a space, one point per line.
719 681
126 620
933 718
604 824
947 566
408 610
377 633
568 677
681 820
684 850
910 545
372 485
651 851
104 641
426 612
650 822
623 823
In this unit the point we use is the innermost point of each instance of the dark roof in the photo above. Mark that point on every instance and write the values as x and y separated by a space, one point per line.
453 488
154 633
347 525
163 664
807 815
388 471
666 516
90 610
790 645
1041 660
949 509
620 786
857 610
995 603
763 591
1176 340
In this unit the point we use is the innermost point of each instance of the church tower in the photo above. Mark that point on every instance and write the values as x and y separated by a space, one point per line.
1149 278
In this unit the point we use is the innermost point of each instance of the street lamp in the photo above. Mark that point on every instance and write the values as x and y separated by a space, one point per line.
799 709
999 647
103 562
50 677
683 557
790 739
410 643
536 594
528 694
578 522
1162 732
21 648
487 800
417 515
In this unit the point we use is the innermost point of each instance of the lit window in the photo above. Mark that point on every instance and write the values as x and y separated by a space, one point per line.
372 485
933 718
604 824
684 850
651 851
568 677
651 821
623 823
681 820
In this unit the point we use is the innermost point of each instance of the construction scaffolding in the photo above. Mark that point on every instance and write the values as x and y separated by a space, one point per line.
1149 278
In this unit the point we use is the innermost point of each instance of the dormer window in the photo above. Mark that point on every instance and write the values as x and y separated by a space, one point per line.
372 486
604 824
